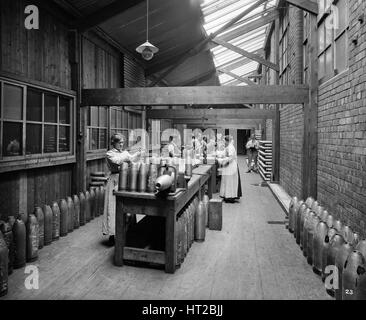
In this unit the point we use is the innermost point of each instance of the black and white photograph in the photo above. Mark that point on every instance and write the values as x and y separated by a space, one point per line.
182 154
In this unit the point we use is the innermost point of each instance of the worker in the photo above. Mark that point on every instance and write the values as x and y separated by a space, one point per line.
252 147
173 149
115 157
230 187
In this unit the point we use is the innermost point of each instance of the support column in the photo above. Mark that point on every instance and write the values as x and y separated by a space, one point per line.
276 120
75 56
310 143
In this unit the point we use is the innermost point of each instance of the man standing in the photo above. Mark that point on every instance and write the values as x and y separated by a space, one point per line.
173 149
252 146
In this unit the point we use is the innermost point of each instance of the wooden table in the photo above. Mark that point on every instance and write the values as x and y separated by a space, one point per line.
149 204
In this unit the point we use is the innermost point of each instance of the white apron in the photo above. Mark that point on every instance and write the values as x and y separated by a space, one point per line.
109 213
229 175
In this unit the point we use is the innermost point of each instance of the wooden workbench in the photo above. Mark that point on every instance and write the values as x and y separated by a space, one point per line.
151 205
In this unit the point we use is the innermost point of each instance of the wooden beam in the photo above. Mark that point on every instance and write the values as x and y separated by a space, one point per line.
235 76
251 26
310 144
198 79
105 14
247 54
276 125
198 48
245 122
239 62
195 95
76 62
306 5
210 114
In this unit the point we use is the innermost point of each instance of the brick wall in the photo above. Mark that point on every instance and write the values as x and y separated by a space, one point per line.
291 116
341 169
342 133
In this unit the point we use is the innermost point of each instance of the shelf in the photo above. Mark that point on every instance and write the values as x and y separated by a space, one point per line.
265 159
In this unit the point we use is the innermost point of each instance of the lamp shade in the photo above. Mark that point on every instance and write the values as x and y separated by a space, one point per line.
147 45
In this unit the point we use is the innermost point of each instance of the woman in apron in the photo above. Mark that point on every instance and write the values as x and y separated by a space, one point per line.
115 157
230 188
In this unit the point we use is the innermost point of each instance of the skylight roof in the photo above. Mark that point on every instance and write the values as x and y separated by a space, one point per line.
219 12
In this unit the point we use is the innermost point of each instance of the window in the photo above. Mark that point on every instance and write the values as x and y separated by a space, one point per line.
333 38
283 46
105 121
119 122
97 128
306 36
34 121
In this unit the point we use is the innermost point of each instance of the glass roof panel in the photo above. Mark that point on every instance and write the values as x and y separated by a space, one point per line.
216 14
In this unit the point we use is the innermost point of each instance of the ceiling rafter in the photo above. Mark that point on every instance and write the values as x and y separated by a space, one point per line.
105 14
251 26
202 44
306 5
247 54
202 77
235 76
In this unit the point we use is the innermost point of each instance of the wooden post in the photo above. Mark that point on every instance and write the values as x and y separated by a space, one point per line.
276 121
170 241
120 234
310 143
75 55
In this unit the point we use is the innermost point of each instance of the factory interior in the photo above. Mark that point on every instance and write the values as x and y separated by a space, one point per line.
183 150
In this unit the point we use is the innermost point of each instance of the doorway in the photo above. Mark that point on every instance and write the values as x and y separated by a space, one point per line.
243 137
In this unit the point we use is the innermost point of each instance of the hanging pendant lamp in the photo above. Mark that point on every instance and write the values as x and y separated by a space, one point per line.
147 50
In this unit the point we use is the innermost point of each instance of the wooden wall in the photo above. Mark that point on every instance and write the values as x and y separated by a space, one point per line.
40 55
49 184
102 64
22 190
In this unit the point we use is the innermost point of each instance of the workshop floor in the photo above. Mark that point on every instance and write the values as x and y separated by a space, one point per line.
253 257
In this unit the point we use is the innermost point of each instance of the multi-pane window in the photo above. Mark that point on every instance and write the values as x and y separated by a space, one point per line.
97 128
34 121
333 38
119 122
283 46
105 121
307 25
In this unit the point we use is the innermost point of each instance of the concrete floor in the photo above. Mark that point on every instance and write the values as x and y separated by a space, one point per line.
253 257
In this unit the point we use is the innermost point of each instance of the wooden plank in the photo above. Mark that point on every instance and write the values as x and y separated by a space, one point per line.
215 114
235 76
276 125
143 255
120 235
310 143
251 26
306 5
105 14
198 78
247 54
195 95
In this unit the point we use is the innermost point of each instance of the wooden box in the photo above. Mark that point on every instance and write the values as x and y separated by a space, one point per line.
215 214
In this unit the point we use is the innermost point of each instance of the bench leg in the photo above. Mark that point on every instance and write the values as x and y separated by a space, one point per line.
170 242
120 234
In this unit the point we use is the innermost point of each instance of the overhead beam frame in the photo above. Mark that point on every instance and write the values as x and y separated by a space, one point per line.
247 54
210 114
306 5
209 95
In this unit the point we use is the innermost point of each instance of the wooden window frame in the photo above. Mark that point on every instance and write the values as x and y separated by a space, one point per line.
332 45
100 153
39 158
284 37
90 127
